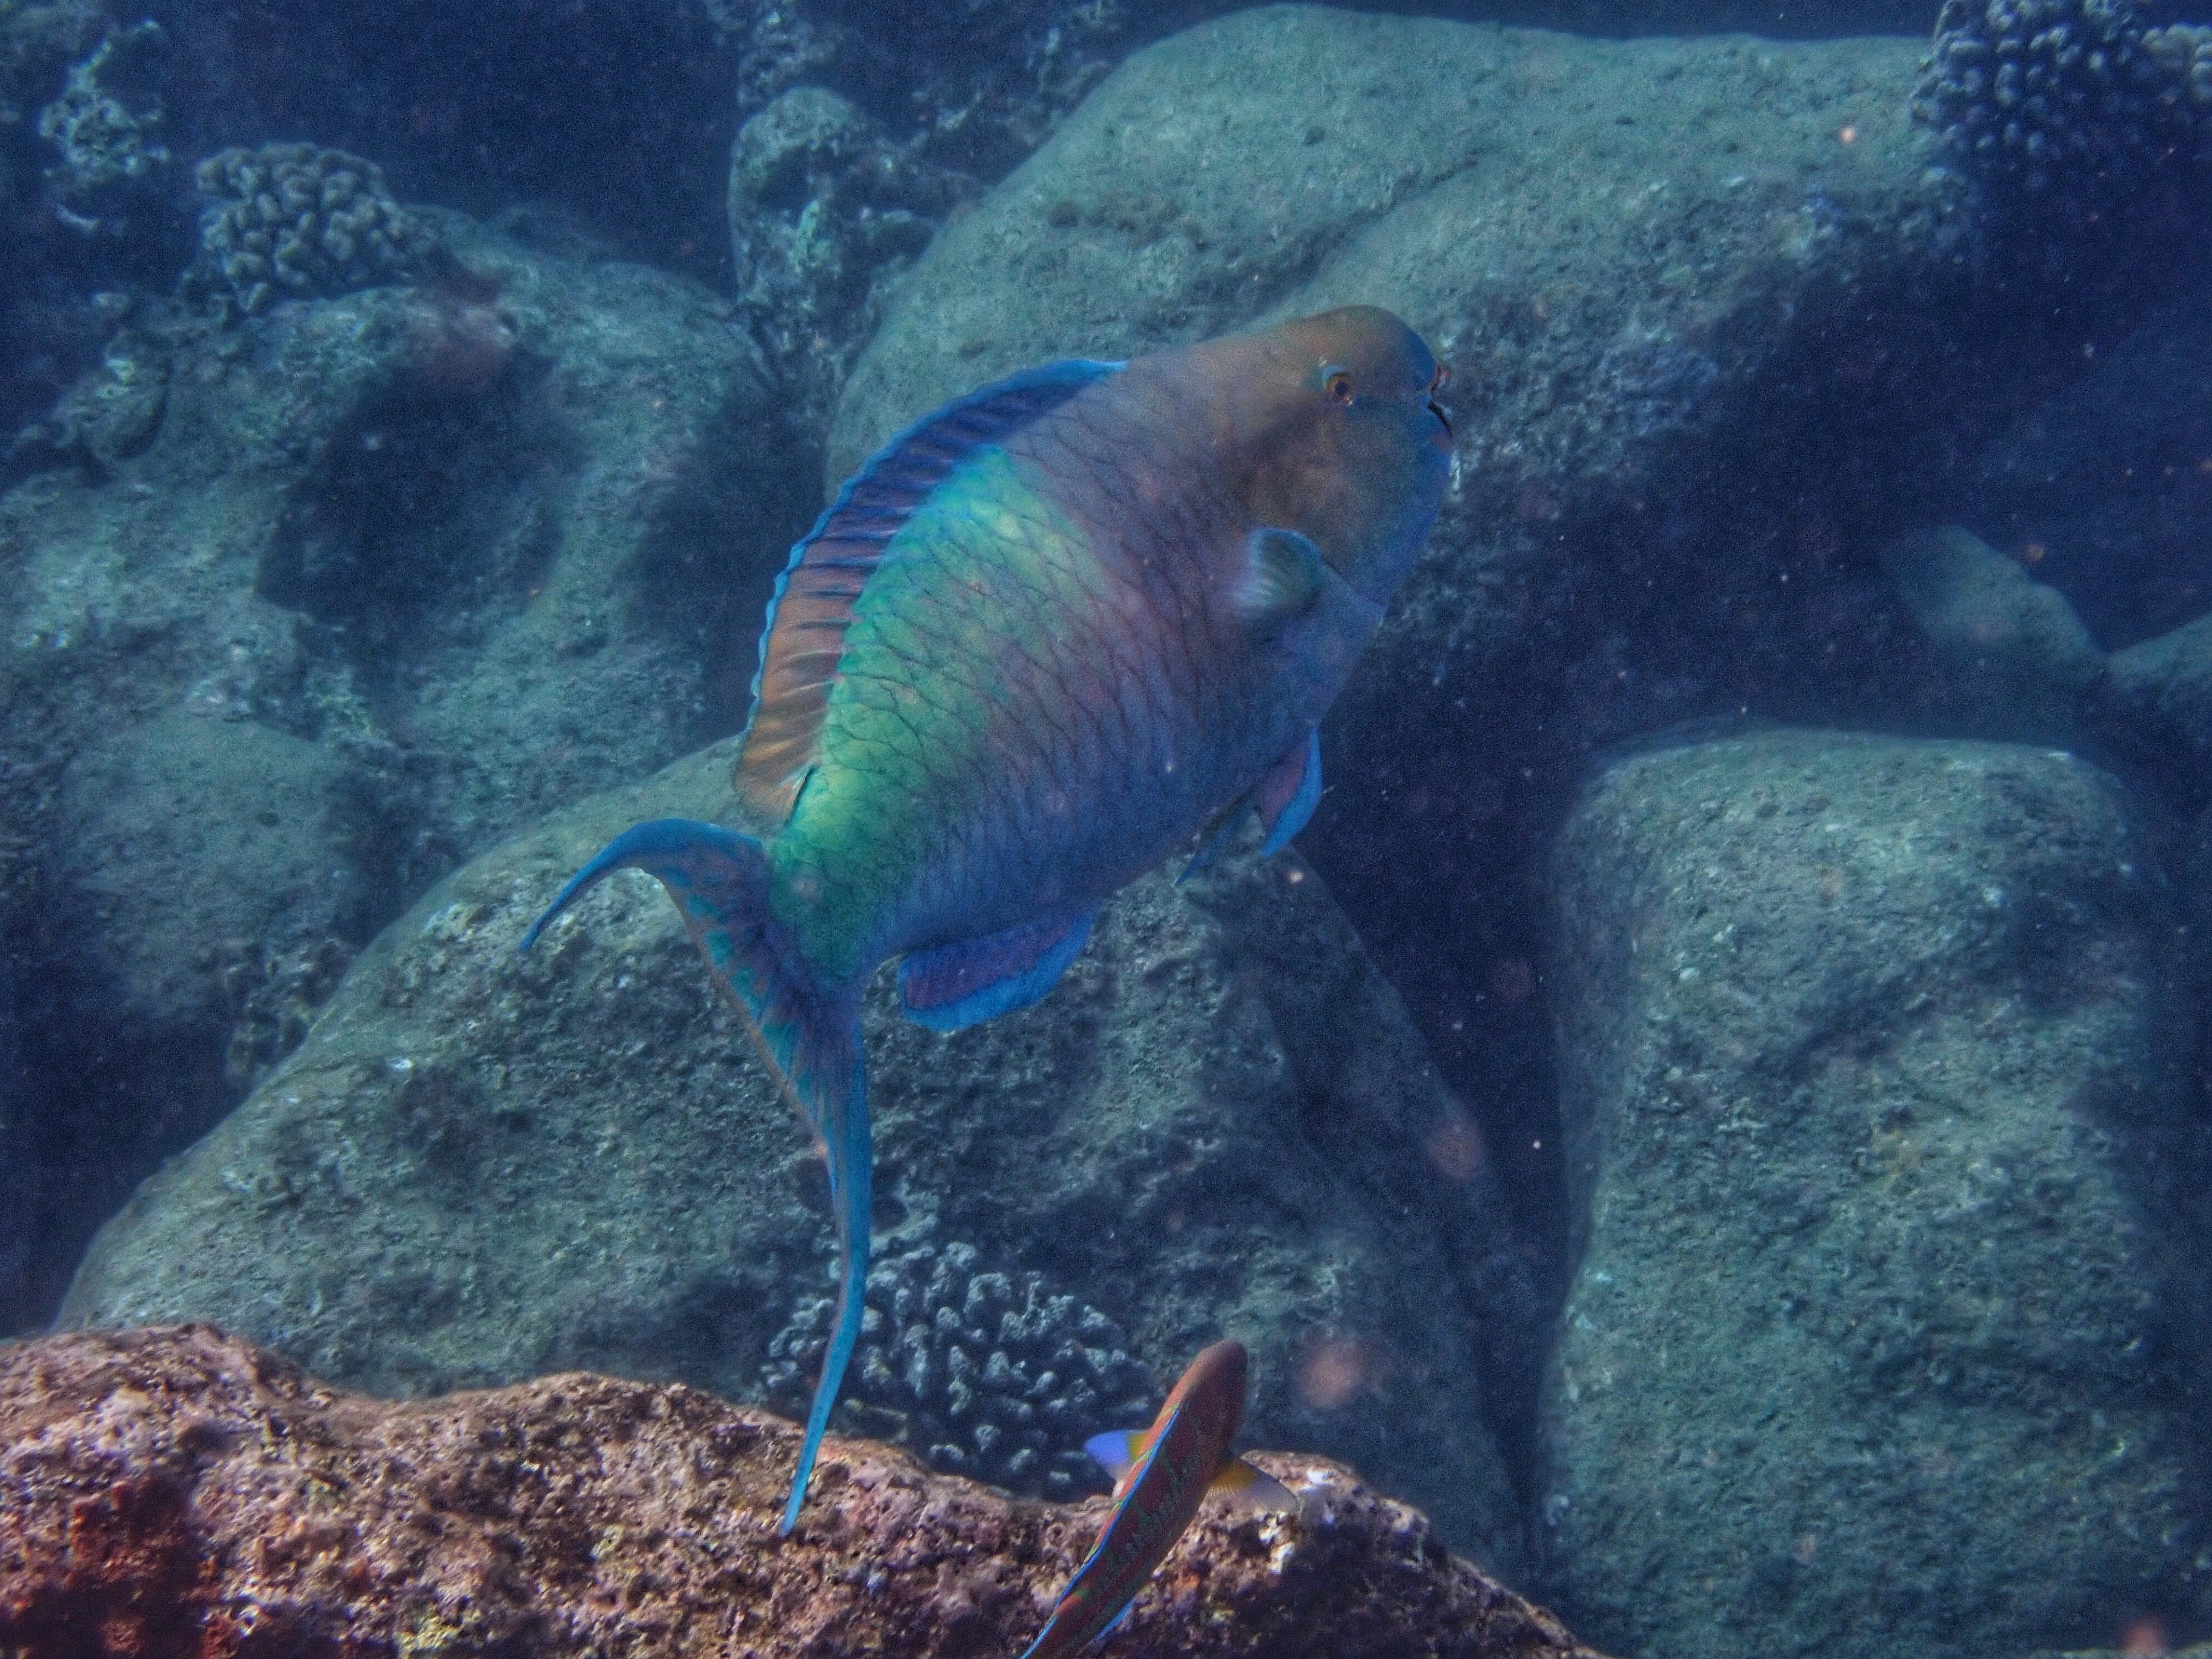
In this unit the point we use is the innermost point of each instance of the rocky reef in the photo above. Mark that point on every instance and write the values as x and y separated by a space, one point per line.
1875 1244
174 1492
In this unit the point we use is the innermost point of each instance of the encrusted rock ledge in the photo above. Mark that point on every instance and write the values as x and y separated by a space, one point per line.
178 1491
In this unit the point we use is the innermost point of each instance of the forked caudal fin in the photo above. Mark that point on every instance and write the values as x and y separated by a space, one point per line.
811 1033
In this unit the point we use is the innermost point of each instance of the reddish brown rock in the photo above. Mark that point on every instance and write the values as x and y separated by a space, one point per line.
179 1491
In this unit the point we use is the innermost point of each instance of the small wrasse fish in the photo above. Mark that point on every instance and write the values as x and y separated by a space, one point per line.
1161 1476
1037 642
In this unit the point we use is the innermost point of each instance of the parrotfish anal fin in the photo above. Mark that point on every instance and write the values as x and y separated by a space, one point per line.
1282 576
953 986
1251 1490
811 1034
1285 799
805 636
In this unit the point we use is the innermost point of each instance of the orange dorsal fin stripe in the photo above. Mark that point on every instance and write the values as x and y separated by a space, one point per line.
804 640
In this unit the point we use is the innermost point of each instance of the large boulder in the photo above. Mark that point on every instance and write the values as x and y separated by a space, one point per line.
302 610
1889 1316
483 1165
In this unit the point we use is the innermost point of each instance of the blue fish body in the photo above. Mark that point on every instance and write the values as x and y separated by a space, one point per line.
1039 642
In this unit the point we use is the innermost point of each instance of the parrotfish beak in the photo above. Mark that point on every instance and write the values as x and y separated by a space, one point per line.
1441 439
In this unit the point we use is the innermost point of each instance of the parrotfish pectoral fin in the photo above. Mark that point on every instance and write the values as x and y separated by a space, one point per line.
1251 1490
812 606
953 986
719 880
1286 797
1282 577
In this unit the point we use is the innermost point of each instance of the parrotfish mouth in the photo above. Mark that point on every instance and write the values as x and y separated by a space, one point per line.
1437 383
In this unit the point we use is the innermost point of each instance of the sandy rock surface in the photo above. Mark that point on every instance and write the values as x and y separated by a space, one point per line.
1891 1312
179 1491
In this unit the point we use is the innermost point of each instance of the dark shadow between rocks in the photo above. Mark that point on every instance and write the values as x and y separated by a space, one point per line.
90 1103
428 508
700 577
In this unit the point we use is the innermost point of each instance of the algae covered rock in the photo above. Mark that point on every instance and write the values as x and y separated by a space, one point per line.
166 1486
2166 683
1573 266
483 1165
2018 660
1884 1333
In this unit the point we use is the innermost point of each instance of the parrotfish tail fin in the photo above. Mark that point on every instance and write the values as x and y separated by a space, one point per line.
811 1032
832 1085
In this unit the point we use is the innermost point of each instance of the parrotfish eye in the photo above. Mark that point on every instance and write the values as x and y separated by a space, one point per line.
1338 384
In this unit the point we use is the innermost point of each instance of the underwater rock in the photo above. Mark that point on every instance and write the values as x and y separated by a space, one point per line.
225 834
1890 1204
405 569
2019 662
825 210
297 221
482 1165
178 1491
2164 685
1282 160
985 1374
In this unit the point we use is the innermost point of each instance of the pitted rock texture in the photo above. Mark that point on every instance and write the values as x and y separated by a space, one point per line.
1890 1323
483 1165
979 1373
173 1491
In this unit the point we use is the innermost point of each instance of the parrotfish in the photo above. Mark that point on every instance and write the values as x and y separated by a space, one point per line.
1162 1475
1044 637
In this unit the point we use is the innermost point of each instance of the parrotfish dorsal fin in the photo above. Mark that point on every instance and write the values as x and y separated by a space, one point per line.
814 597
